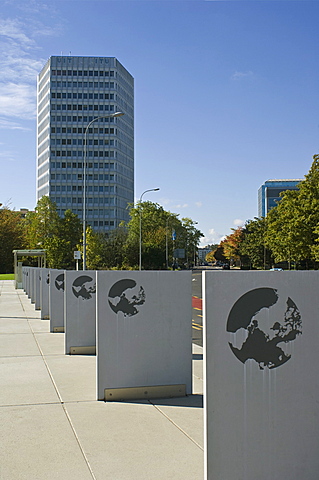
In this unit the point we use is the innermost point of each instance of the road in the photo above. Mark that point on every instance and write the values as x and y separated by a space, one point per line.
197 316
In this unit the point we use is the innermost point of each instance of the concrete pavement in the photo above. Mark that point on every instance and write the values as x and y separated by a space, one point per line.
52 427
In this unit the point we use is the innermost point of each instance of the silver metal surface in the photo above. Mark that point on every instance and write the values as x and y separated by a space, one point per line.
134 393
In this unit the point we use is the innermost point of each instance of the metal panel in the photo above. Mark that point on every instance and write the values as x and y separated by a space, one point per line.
79 310
136 393
261 375
144 329
83 350
56 303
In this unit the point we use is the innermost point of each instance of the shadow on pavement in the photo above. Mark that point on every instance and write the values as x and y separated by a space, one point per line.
193 401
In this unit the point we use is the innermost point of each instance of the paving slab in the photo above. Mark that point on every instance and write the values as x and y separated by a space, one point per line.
134 441
50 343
10 310
38 325
186 413
25 380
18 345
52 427
38 443
14 325
74 376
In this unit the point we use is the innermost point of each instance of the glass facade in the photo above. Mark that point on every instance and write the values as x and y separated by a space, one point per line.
269 193
71 92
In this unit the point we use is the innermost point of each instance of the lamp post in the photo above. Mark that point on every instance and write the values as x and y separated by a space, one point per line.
166 243
140 256
112 115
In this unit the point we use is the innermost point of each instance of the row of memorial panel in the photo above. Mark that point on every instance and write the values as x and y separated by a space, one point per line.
261 334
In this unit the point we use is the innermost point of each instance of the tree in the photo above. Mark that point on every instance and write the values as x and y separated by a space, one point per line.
61 245
153 221
69 234
219 253
11 237
253 250
95 247
58 253
210 258
41 224
231 245
290 232
190 237
114 248
58 236
158 243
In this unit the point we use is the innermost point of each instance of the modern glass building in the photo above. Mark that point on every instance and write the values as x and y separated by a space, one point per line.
269 193
71 92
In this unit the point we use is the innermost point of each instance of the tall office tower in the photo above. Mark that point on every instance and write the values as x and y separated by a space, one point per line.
72 92
269 193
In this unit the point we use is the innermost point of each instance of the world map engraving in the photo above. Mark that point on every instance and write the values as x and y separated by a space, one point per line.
83 287
59 282
125 296
259 345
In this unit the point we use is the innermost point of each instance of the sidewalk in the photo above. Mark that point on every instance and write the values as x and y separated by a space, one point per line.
52 427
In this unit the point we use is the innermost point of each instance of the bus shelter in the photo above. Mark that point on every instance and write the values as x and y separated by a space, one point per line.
40 254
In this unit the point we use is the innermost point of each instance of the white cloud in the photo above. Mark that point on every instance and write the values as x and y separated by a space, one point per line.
11 125
238 222
16 67
198 204
212 237
12 30
184 205
17 100
19 65
239 75
7 156
165 201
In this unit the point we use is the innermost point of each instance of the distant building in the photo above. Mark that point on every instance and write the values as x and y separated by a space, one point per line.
72 92
23 212
202 252
269 193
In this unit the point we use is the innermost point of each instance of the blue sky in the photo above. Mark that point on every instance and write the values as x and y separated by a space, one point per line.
226 95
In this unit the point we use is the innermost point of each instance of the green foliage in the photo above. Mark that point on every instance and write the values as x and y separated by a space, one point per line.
41 224
253 250
290 232
231 245
95 246
58 236
210 258
155 224
58 253
189 239
219 253
114 249
119 249
11 237
293 225
158 245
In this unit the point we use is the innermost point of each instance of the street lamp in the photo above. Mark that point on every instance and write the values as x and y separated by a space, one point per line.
166 242
150 190
112 115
